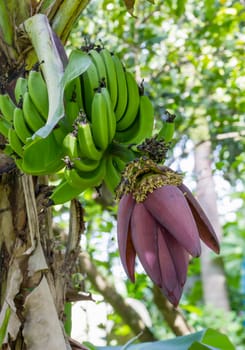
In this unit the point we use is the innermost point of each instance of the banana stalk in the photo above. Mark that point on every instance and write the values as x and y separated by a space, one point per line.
48 7
67 14
6 32
5 23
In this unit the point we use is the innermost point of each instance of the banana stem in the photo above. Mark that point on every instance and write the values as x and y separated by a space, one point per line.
5 24
6 32
67 14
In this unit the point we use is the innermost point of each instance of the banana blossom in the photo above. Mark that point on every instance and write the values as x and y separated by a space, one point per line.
163 230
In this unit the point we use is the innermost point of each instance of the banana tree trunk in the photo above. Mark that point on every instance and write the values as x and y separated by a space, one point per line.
213 277
34 271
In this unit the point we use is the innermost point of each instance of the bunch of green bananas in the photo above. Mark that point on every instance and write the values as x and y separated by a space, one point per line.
132 109
105 113
115 115
19 120
88 166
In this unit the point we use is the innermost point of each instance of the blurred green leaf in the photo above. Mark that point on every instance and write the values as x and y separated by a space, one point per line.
206 339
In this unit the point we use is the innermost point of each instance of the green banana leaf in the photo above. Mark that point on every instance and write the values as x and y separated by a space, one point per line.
207 339
68 318
4 325
200 346
217 340
56 71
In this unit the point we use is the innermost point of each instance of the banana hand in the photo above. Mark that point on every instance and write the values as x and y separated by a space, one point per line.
76 160
87 145
142 126
64 192
84 180
43 157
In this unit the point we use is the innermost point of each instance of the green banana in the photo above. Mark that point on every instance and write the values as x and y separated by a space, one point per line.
14 142
133 103
90 83
73 92
79 162
64 192
4 126
111 118
111 75
113 174
122 93
20 126
142 126
100 65
71 114
85 164
167 131
43 157
7 107
87 145
32 116
73 103
20 89
99 121
70 144
72 111
38 91
85 180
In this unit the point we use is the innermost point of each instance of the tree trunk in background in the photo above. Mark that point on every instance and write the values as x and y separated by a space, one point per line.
172 315
213 277
128 314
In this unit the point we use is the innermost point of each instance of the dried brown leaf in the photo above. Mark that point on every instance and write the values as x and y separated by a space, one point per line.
42 328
